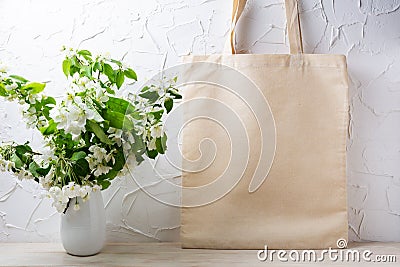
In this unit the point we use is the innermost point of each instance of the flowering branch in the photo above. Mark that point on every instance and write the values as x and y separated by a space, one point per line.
91 135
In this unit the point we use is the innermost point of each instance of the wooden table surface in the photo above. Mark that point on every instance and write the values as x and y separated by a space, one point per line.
170 254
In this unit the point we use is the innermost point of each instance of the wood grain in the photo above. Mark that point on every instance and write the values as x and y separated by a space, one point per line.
162 254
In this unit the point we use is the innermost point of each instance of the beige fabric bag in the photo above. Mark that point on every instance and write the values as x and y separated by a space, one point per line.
297 142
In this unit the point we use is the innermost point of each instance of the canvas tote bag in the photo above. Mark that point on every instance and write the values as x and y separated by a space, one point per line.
264 148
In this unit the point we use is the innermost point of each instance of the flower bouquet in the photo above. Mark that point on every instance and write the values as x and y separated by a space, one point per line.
91 135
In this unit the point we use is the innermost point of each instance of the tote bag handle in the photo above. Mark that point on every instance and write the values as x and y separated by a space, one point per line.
293 25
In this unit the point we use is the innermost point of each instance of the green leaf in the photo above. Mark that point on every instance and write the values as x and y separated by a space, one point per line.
66 66
118 120
19 78
109 72
144 89
129 73
78 155
42 171
84 53
48 101
168 104
119 160
116 62
34 87
164 139
120 105
110 91
138 147
73 70
22 149
33 168
152 96
3 91
120 79
174 93
158 114
81 167
152 153
118 166
97 66
161 144
104 184
49 129
87 71
108 176
98 131
17 161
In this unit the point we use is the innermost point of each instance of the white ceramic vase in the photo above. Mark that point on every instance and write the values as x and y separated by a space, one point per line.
83 231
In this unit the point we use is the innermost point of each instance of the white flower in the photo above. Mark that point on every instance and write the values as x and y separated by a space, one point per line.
71 117
81 84
96 159
6 165
72 190
101 169
76 119
75 78
100 95
60 206
99 153
115 135
29 114
84 192
22 175
47 181
30 121
32 98
96 188
84 81
110 157
62 198
102 57
156 131
59 115
10 87
46 155
59 198
89 113
55 191
92 162
150 118
152 144
9 166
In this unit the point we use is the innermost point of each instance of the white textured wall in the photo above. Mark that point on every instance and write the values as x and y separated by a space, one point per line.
154 33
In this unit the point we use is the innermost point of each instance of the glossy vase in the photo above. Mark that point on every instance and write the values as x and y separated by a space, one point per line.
83 231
